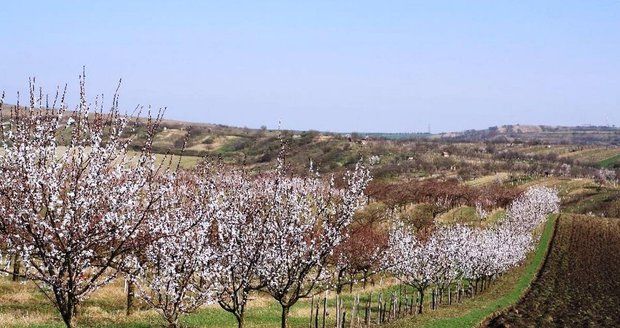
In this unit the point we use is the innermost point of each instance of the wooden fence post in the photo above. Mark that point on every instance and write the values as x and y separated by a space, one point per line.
368 313
379 308
311 310
352 312
337 311
324 309
316 314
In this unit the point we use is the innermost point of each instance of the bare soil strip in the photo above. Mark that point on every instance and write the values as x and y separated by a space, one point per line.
579 284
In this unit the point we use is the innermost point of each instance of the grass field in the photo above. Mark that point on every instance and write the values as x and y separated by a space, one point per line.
613 161
592 155
22 305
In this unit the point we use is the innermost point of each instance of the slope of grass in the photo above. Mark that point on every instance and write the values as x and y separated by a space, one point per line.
462 214
610 162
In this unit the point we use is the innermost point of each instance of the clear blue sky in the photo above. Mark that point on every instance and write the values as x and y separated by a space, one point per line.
329 65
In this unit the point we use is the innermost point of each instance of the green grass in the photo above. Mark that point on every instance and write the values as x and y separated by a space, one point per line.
22 305
504 293
610 162
463 214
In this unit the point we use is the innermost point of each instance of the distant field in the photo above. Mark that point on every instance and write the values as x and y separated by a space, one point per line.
467 215
579 285
613 161
593 155
498 177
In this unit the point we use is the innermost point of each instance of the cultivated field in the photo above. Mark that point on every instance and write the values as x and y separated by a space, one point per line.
580 281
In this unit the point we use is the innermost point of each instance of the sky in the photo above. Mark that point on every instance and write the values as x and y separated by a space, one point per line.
372 66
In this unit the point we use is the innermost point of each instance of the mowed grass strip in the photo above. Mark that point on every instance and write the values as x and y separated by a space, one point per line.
610 162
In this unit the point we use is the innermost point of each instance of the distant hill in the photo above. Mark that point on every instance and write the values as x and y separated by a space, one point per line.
469 153
544 134
600 135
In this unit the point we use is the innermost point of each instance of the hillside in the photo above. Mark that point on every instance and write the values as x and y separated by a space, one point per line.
600 135
467 155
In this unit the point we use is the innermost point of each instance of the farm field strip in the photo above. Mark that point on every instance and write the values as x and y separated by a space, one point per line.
578 285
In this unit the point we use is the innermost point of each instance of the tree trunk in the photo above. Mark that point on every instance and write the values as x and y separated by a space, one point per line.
68 321
240 316
66 305
284 318
365 279
316 314
339 284
68 317
173 321
16 266
421 304
130 296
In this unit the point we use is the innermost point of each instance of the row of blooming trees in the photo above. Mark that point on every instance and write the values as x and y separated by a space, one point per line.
453 253
79 209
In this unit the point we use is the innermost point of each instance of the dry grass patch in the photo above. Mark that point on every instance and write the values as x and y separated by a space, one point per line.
488 179
23 319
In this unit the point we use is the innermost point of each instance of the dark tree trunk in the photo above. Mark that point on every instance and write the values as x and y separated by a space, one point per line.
173 320
130 296
284 318
240 316
365 278
16 267
421 304
316 315
67 312
339 283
